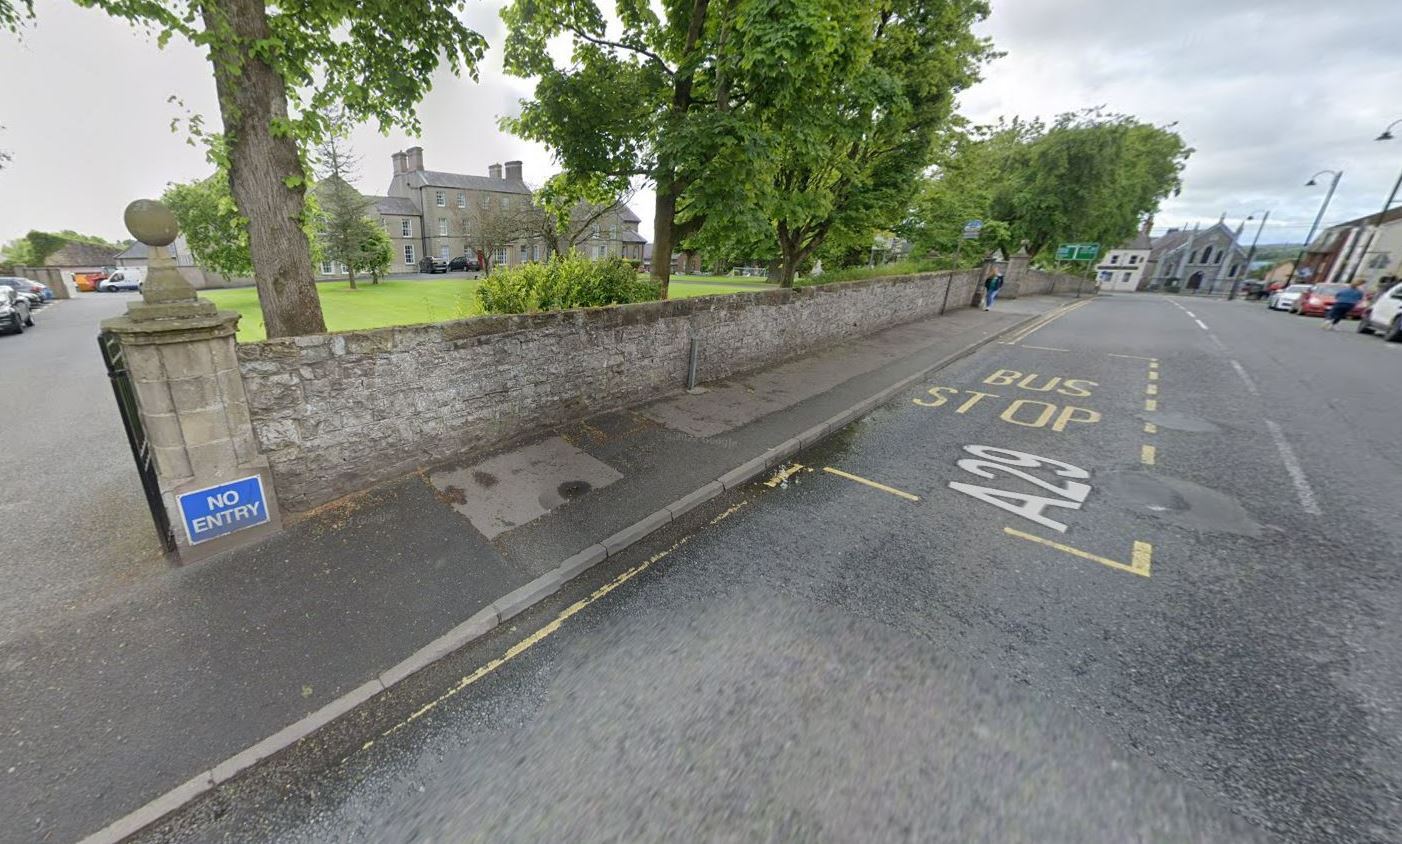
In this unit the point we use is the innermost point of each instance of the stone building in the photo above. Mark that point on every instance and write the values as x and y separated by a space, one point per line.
430 212
1199 261
1356 249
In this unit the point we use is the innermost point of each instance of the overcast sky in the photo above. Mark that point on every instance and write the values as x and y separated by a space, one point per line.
1267 91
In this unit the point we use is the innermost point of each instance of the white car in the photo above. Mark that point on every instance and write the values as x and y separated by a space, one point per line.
1287 299
1384 316
128 278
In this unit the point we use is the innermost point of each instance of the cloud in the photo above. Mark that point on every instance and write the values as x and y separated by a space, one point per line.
1267 91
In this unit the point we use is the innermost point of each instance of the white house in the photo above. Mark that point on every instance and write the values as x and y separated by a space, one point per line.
1122 268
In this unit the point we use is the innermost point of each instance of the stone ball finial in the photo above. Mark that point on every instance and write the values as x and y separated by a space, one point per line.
151 222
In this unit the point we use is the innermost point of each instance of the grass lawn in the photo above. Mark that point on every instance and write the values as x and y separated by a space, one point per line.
406 302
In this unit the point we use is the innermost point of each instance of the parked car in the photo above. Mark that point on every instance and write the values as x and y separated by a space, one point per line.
1385 315
1253 290
127 278
1284 300
430 264
15 313
1320 299
465 262
28 285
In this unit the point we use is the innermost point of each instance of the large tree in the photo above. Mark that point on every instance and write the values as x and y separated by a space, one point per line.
277 71
623 105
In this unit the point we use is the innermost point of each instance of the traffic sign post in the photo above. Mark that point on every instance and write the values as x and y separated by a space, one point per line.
1087 252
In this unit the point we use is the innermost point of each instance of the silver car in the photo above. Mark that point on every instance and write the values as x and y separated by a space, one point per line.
15 315
1287 299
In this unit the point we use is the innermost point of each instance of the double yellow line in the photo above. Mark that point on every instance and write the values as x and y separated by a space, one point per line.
1044 321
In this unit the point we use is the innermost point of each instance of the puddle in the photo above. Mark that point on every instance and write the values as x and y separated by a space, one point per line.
570 490
1180 502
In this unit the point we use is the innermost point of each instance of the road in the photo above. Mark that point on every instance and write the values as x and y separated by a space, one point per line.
1127 576
77 528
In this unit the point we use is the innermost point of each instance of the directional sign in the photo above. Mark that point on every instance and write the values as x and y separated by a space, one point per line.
972 229
220 510
1077 251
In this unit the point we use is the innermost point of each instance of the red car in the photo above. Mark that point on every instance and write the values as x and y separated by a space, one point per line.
1320 299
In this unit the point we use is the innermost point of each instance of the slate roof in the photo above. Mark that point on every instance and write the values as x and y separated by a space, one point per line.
1140 241
462 181
628 216
631 237
400 205
82 255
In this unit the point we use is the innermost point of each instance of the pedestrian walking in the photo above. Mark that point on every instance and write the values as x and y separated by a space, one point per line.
991 286
1344 301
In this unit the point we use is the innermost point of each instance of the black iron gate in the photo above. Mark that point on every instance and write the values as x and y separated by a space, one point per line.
122 388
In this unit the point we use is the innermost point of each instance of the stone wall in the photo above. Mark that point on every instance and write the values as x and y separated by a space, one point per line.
1039 282
336 412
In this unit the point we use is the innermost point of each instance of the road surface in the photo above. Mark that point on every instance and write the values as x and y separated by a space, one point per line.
1126 576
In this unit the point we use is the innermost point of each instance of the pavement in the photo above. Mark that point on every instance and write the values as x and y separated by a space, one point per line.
157 687
1125 575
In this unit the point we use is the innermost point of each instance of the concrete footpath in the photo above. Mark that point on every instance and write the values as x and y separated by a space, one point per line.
157 694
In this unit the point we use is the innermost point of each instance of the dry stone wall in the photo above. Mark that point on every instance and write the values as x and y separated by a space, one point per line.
336 412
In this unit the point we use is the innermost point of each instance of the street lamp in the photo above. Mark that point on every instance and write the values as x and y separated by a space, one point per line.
1333 185
1385 136
1250 253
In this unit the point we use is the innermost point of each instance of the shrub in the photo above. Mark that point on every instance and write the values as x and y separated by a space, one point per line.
571 281
907 267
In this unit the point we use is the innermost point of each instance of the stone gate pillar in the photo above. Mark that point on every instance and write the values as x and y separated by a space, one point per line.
1017 268
179 351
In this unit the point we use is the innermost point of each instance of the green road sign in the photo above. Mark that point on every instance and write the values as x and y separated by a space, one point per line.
1077 251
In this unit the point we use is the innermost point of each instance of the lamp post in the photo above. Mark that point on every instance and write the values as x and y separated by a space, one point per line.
1333 185
1250 253
1382 215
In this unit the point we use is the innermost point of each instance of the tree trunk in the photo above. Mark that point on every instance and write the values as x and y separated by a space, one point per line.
350 276
663 221
251 97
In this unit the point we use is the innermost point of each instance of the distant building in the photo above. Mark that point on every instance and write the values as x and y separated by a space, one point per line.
1122 268
81 257
1208 260
429 212
1356 249
138 254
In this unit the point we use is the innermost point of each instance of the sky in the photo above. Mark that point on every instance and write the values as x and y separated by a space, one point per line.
1267 92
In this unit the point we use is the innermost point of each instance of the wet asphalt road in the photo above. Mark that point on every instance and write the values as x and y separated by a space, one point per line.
1203 658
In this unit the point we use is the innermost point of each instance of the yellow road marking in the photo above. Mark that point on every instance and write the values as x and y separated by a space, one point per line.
1151 404
872 484
1147 454
1045 321
541 634
784 474
1150 428
1151 390
1153 375
1153 363
1140 558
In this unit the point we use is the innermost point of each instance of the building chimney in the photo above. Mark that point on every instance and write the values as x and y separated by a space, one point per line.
494 171
416 158
1148 226
399 160
513 171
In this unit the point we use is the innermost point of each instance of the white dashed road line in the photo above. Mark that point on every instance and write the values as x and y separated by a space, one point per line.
1201 324
1297 475
1250 384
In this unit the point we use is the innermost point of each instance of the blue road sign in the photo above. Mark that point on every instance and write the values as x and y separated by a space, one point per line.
223 509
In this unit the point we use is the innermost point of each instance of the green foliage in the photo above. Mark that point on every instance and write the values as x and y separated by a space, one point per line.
374 250
570 281
215 231
13 15
36 246
1089 176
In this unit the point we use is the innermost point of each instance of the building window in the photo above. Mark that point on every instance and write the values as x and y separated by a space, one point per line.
603 251
404 228
1232 274
1106 275
439 199
506 203
1206 256
525 253
443 252
1133 259
409 254
500 257
1219 256
462 199
1114 259
326 268
1126 276
486 200
442 226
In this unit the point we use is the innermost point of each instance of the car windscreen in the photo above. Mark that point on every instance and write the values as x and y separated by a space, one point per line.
1297 288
